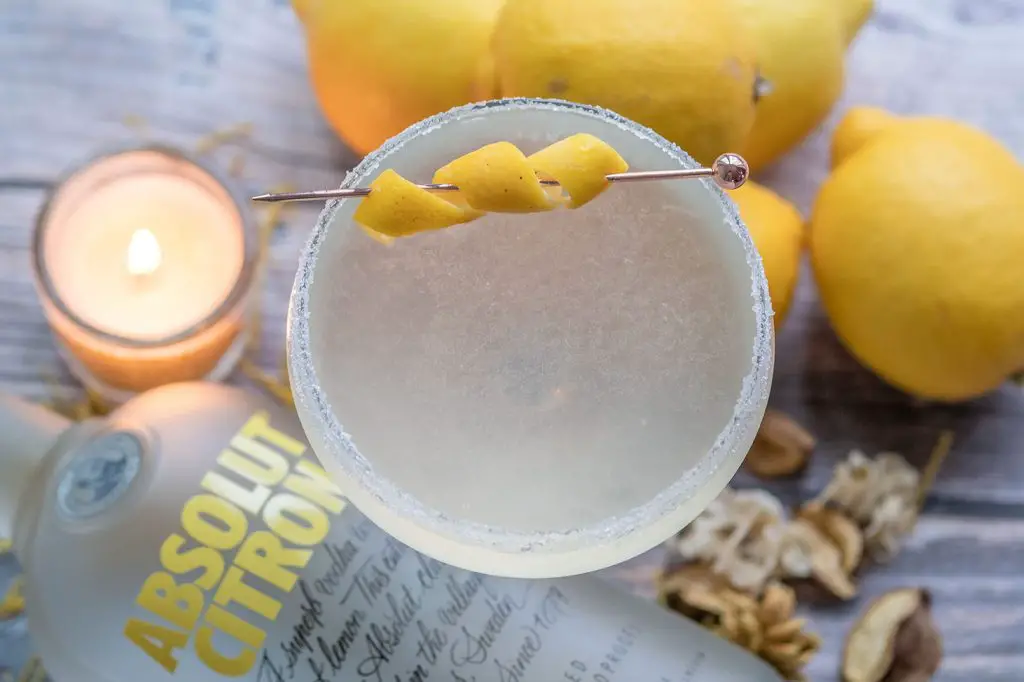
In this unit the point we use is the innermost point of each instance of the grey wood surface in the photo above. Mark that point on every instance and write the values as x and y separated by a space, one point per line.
72 71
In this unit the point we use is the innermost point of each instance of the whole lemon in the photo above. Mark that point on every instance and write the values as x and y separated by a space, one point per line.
378 66
801 46
777 229
917 244
685 68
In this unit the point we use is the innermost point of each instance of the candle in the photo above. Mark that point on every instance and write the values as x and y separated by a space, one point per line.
144 261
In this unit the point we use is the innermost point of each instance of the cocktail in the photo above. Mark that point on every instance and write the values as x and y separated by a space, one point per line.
534 395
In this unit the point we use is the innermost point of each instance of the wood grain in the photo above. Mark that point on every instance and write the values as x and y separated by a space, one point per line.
73 71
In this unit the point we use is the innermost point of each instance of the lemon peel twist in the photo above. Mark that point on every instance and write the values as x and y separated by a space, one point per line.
498 178
580 164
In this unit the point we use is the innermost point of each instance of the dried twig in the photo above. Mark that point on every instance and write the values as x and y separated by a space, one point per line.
931 470
219 138
278 386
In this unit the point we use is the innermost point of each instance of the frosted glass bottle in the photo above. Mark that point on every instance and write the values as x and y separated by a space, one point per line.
192 536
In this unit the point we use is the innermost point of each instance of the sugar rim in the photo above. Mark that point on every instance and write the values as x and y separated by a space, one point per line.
715 468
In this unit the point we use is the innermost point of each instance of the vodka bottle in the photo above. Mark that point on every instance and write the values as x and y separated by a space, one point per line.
192 536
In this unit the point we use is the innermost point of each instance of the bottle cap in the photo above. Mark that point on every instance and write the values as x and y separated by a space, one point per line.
29 433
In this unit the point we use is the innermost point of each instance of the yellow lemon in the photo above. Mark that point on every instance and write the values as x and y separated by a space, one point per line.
859 126
916 242
378 66
777 229
801 45
685 68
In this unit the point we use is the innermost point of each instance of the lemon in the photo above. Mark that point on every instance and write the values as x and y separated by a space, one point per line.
916 242
801 46
685 68
378 66
777 228
859 126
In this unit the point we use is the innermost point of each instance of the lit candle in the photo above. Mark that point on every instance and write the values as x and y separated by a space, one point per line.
144 261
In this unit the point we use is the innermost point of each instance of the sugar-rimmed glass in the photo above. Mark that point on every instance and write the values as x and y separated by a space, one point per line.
534 395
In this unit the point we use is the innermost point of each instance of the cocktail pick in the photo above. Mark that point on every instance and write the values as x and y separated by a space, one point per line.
729 171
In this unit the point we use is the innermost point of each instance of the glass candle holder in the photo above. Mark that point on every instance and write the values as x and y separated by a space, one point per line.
534 395
144 260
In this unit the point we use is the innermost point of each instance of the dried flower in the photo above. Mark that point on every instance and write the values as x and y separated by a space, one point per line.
840 529
807 552
738 536
880 494
766 626
781 448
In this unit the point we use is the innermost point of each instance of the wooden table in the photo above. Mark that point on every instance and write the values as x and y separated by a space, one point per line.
72 73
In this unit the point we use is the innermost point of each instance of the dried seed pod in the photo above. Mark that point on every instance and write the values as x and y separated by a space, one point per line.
840 529
777 603
785 630
781 448
824 557
763 626
895 639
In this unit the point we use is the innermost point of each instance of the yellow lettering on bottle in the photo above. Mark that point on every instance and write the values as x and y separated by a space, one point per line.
228 623
158 642
180 605
201 511
249 499
255 460
296 519
217 619
258 426
311 481
263 555
258 464
177 561
233 589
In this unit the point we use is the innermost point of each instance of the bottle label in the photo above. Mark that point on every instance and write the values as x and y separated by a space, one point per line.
273 578
99 475
244 540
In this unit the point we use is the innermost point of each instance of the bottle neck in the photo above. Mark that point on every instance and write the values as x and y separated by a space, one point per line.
30 432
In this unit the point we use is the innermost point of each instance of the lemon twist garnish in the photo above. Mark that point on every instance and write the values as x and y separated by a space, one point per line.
495 178
398 208
498 178
579 163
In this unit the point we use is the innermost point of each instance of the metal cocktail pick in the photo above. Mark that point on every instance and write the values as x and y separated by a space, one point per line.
729 171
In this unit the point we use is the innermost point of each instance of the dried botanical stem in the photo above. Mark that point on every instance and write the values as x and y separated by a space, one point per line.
33 671
273 385
13 602
237 166
218 138
136 122
935 460
90 405
277 386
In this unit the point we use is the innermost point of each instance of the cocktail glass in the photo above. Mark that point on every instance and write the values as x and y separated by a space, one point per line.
534 395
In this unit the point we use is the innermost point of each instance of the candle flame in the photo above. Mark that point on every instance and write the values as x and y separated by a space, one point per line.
143 253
